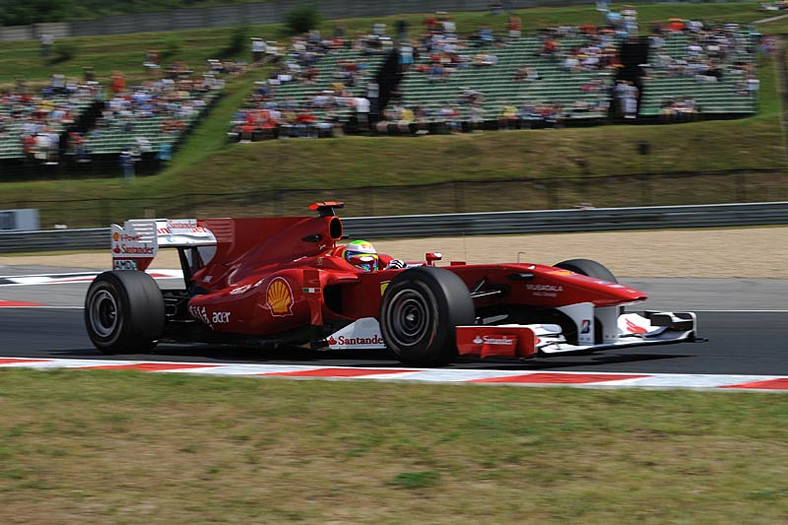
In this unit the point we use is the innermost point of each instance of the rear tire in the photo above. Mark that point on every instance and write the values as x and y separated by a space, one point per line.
124 312
419 312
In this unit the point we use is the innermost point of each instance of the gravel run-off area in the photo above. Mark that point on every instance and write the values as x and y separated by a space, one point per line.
725 253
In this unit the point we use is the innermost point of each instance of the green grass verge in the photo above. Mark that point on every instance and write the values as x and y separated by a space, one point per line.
100 447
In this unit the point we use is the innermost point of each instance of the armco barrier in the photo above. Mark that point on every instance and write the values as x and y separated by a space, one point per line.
402 226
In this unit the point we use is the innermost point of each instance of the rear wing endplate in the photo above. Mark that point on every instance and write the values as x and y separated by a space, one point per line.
136 243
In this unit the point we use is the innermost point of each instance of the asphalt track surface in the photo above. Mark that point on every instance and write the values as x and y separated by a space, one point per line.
746 322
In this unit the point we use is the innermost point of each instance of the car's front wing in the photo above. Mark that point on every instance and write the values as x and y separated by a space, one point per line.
618 331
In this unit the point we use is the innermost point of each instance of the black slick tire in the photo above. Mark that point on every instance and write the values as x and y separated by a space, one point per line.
419 312
589 268
124 312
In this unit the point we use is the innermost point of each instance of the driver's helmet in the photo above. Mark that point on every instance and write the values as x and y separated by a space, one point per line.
361 254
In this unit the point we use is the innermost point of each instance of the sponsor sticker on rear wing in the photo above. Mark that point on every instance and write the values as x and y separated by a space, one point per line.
136 243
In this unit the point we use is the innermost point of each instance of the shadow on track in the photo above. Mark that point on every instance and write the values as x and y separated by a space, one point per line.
354 358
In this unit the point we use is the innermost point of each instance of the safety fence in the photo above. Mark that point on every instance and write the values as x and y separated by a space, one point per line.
462 196
404 226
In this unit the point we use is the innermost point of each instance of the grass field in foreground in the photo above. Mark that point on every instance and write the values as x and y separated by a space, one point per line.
109 447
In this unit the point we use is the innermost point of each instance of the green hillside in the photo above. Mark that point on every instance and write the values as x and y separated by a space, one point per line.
208 166
21 12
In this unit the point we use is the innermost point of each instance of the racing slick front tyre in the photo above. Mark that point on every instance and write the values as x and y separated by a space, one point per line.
589 268
419 312
124 312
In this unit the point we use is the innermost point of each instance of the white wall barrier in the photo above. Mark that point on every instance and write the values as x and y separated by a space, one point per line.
19 220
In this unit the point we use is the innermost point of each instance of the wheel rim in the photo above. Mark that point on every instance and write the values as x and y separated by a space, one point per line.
103 313
410 317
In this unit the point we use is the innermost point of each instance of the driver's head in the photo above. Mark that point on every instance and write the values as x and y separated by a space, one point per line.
361 254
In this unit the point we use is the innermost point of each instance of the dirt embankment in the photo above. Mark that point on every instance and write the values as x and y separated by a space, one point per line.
727 253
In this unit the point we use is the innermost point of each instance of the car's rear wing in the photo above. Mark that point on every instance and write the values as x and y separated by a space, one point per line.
136 243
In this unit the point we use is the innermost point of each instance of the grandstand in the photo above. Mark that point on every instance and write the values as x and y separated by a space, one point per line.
326 87
151 131
475 85
77 124
722 92
318 83
24 117
497 82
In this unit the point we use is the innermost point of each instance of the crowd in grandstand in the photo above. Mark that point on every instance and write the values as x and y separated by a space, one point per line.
437 53
149 116
36 120
679 109
269 112
322 84
710 51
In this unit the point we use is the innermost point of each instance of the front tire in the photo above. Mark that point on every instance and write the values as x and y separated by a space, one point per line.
594 269
124 312
419 312
589 268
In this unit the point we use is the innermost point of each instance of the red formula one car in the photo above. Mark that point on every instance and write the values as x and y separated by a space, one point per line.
285 281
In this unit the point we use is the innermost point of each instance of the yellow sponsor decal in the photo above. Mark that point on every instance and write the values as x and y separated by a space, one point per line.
279 297
383 286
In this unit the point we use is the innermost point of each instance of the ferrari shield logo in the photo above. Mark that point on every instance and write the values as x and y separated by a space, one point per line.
383 286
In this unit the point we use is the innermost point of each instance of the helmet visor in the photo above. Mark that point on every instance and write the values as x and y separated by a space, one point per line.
365 261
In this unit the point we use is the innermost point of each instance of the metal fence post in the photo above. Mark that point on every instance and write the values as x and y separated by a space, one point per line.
741 187
459 197
105 214
552 193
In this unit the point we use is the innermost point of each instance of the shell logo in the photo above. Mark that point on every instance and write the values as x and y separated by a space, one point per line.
279 297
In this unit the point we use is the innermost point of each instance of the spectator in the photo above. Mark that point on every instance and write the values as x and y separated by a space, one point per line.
362 112
164 155
484 59
42 146
450 115
151 60
259 47
486 37
753 85
76 143
58 83
515 26
476 113
405 56
127 165
405 119
47 42
508 119
550 49
53 152
118 83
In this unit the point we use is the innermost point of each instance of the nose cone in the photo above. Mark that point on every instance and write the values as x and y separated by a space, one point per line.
599 291
566 287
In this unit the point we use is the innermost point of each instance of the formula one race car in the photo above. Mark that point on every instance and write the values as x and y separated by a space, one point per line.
285 281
